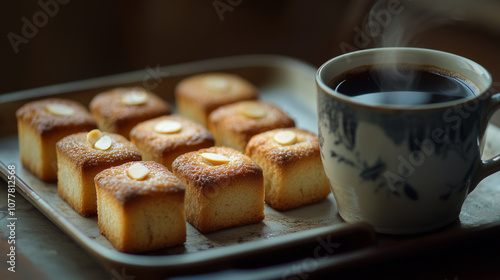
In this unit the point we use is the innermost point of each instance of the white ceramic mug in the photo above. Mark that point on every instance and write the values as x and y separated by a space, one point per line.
404 170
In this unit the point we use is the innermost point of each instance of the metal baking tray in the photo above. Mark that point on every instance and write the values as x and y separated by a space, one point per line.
286 82
289 84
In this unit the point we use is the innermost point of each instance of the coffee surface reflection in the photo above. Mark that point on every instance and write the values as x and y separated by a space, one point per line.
402 85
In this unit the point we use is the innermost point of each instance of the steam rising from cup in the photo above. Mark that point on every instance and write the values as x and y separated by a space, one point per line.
398 29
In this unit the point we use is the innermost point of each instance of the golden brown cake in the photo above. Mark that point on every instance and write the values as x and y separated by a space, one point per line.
233 125
80 157
224 188
41 124
165 138
293 171
197 96
120 109
140 206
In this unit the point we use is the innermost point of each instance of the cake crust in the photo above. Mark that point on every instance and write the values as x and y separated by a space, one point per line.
125 189
112 115
234 129
164 148
78 164
35 115
305 147
194 169
141 215
221 195
293 173
39 130
88 159
198 95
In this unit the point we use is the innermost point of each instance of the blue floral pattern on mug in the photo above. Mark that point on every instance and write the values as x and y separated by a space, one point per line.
448 135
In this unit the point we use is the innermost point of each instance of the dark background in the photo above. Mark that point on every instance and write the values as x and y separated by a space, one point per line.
85 39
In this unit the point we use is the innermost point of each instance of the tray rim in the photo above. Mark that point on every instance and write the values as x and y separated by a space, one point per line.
170 261
201 257
211 64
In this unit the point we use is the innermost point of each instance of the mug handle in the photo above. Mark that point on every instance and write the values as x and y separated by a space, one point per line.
492 165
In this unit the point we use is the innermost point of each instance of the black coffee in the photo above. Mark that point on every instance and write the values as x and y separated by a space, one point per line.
402 85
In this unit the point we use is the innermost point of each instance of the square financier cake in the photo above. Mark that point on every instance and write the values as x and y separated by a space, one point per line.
140 206
80 157
165 138
197 96
41 124
224 188
293 171
120 109
233 125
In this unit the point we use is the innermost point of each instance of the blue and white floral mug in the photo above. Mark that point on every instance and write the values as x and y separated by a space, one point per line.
404 169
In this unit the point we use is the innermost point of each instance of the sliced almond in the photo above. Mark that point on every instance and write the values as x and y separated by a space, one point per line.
168 127
103 143
286 137
60 109
252 110
93 136
215 159
137 171
216 83
135 98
